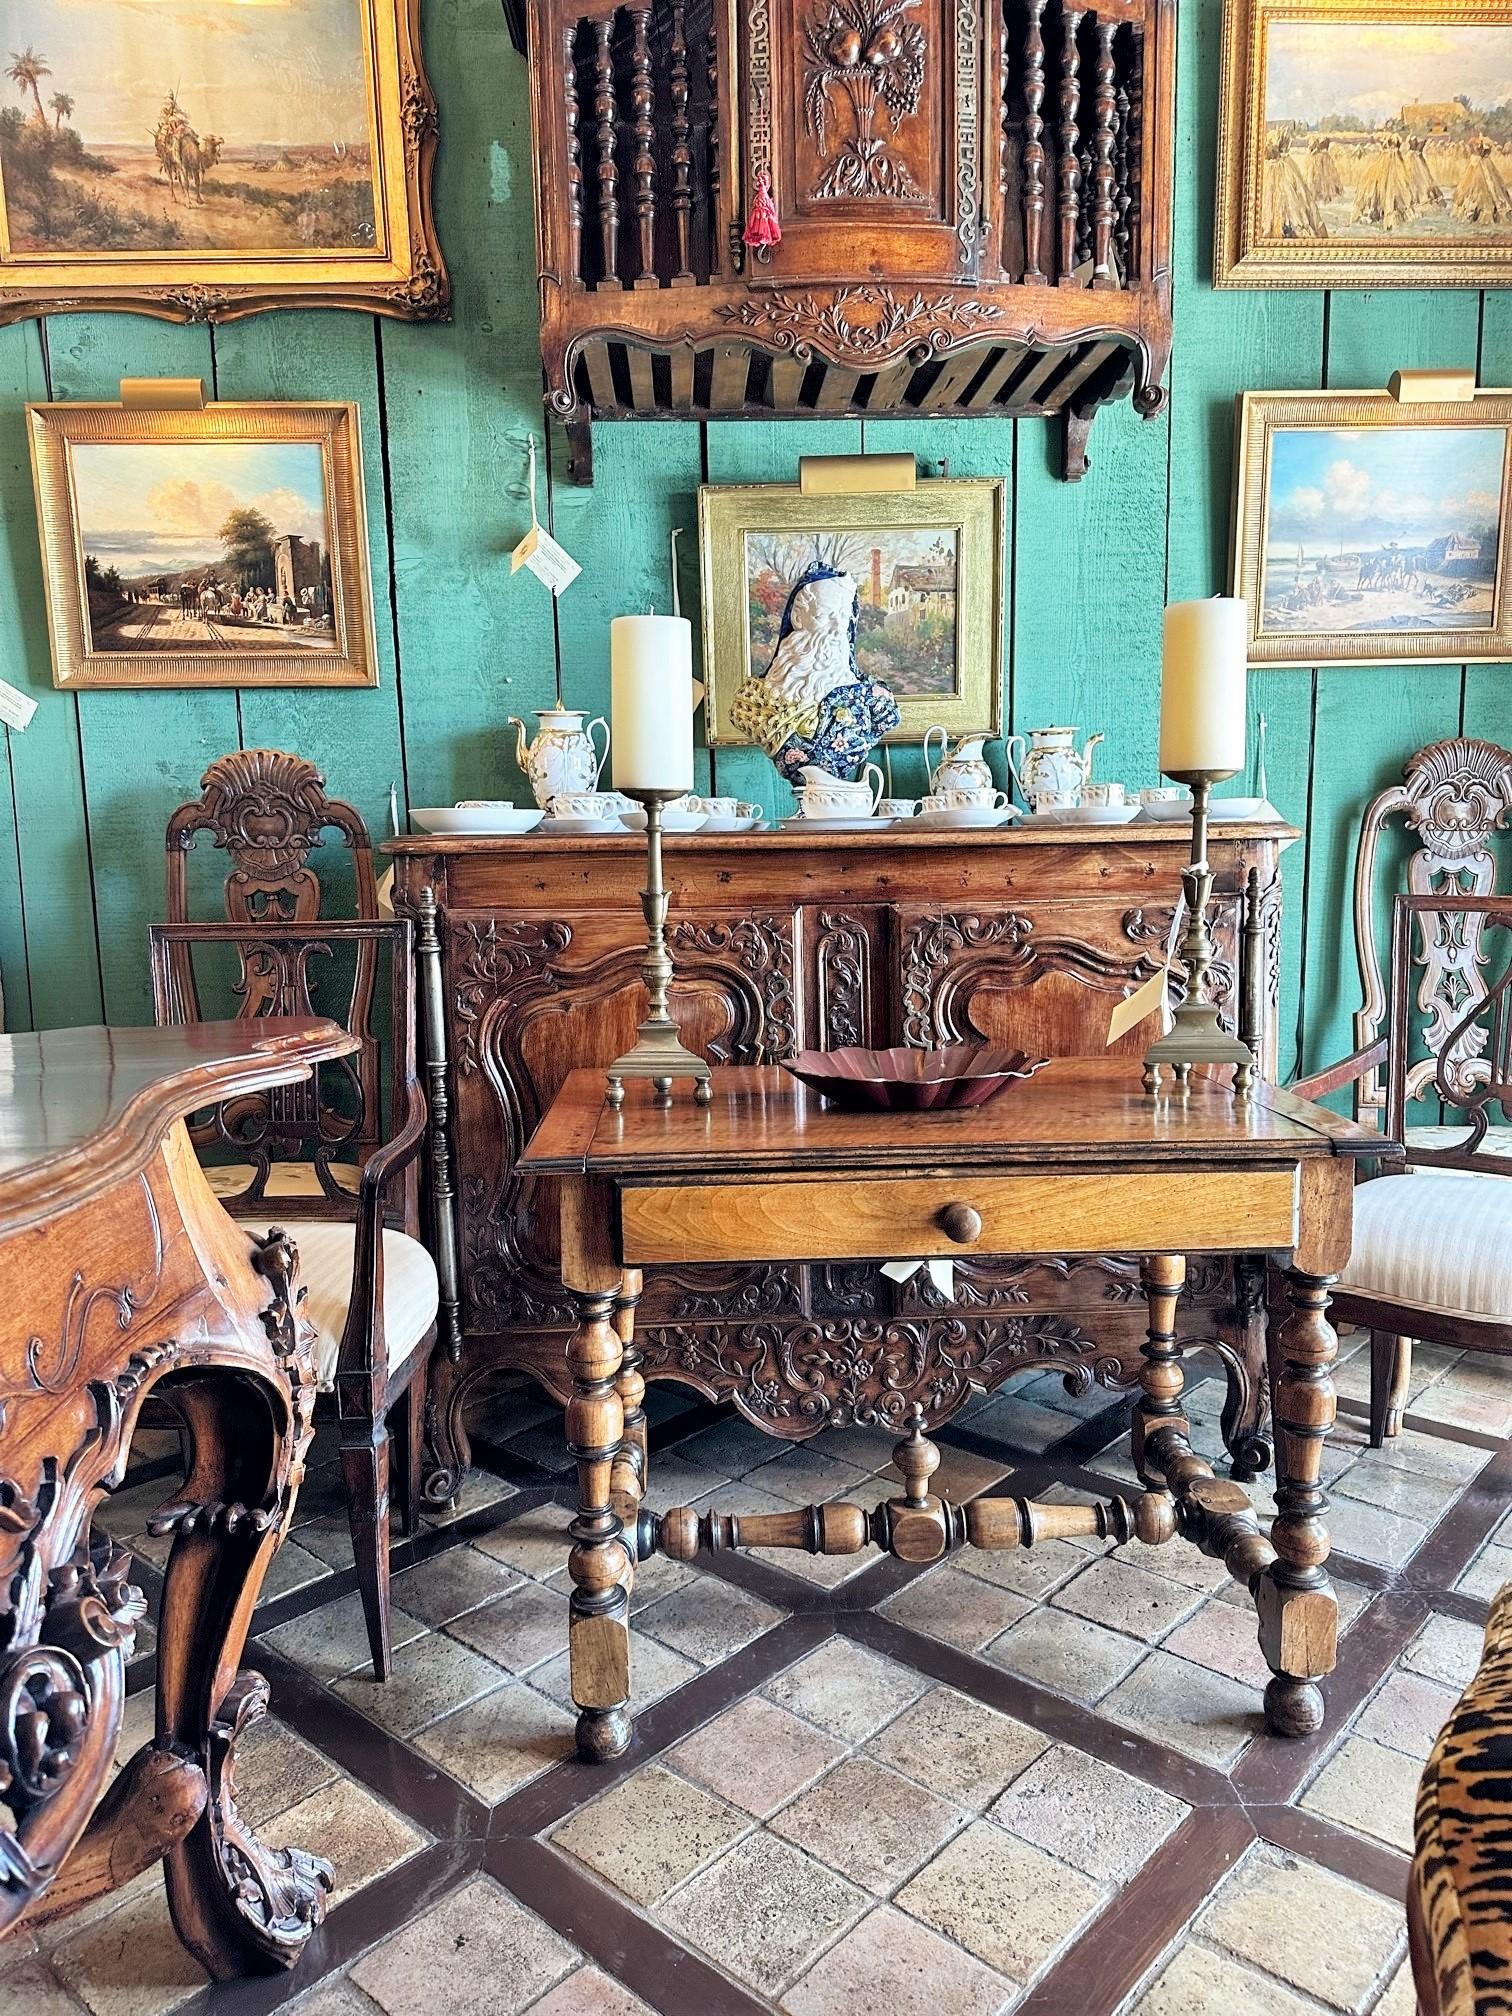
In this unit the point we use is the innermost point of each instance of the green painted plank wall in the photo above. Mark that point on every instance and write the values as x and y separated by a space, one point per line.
447 416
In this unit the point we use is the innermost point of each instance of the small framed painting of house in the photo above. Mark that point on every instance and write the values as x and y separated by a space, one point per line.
1365 143
1367 531
804 596
223 545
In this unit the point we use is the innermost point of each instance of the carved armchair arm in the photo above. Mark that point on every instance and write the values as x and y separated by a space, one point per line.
363 1345
1346 1072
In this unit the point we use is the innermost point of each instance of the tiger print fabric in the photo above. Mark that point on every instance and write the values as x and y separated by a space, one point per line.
1460 1897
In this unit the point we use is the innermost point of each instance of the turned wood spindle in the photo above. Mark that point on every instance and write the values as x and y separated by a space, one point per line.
574 152
1298 1609
1104 111
599 1566
682 151
917 1459
643 111
628 1479
1034 140
1135 151
606 113
1121 197
711 71
1070 167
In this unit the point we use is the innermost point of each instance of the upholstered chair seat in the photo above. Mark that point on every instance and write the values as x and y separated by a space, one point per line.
1437 1240
411 1294
285 1179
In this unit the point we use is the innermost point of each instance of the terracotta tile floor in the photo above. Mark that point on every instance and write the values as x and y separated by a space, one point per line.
1032 1782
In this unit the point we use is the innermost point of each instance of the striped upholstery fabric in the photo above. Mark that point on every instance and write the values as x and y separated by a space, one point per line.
1436 1239
410 1291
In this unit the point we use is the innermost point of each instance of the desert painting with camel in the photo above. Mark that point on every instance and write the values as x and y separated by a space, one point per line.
186 125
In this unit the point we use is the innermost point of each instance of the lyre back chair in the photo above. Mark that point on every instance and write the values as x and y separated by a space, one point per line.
1432 1255
372 1288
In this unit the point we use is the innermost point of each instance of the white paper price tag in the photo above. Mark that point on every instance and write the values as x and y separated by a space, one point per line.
546 559
16 708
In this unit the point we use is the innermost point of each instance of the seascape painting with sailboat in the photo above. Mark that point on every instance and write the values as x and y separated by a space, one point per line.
1391 529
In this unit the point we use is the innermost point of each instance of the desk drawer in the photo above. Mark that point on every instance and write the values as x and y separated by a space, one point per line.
874 1218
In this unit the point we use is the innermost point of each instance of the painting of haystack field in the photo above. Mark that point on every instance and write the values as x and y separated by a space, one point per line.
906 591
1397 131
1390 530
185 125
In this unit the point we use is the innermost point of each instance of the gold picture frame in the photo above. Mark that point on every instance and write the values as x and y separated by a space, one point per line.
223 545
945 539
1370 531
123 198
1316 189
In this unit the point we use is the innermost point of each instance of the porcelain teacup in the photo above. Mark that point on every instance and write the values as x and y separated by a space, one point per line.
1100 797
960 801
1164 794
719 808
587 805
897 808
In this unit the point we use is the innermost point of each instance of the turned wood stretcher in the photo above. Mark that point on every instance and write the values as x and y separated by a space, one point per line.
121 1275
1079 1159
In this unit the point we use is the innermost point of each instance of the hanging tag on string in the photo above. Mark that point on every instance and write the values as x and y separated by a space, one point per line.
546 559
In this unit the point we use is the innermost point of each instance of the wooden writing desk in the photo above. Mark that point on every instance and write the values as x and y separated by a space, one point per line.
1078 1160
118 1270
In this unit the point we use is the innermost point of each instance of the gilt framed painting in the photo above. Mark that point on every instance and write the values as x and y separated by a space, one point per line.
1365 143
1372 532
201 159
224 545
902 588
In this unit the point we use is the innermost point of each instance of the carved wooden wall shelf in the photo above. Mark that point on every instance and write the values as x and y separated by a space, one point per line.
974 198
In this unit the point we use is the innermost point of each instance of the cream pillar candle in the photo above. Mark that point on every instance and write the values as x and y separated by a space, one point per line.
1203 687
651 666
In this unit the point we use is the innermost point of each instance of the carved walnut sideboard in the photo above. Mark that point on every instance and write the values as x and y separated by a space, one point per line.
781 942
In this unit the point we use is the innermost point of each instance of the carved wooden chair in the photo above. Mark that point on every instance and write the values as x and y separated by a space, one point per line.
372 1288
268 811
1435 1036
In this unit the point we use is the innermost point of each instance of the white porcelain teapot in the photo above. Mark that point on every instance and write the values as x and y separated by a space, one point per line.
564 755
1050 771
963 768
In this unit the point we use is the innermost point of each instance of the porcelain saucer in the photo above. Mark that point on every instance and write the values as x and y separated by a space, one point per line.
1084 815
967 818
481 821
577 829
798 824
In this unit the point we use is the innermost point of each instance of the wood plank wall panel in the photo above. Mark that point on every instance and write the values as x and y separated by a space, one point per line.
447 413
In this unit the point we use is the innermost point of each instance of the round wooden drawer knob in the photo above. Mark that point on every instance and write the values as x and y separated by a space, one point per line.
961 1224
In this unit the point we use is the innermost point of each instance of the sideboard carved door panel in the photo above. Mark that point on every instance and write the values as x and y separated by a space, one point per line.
1043 977
534 997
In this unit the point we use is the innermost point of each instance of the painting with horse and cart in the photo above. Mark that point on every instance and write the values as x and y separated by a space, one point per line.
1371 528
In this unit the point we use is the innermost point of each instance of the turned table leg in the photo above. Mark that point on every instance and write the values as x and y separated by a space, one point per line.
600 1564
1299 1613
1161 1378
631 1464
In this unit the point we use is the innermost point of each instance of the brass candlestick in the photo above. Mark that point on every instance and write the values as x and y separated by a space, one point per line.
659 1053
1196 1036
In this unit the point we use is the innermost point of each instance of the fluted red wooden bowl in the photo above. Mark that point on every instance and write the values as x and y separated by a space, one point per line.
915 1081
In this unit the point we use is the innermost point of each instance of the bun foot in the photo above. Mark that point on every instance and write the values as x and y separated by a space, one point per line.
1293 1707
603 1734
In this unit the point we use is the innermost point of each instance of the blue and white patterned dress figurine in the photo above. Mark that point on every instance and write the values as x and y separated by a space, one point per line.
813 704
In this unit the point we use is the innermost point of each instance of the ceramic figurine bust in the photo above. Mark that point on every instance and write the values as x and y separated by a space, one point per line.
813 705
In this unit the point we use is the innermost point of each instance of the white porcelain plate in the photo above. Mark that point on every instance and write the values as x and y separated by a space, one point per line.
741 825
576 829
1257 811
1086 815
482 821
798 824
1168 812
967 818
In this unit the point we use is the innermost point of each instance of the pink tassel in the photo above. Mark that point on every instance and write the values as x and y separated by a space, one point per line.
762 228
